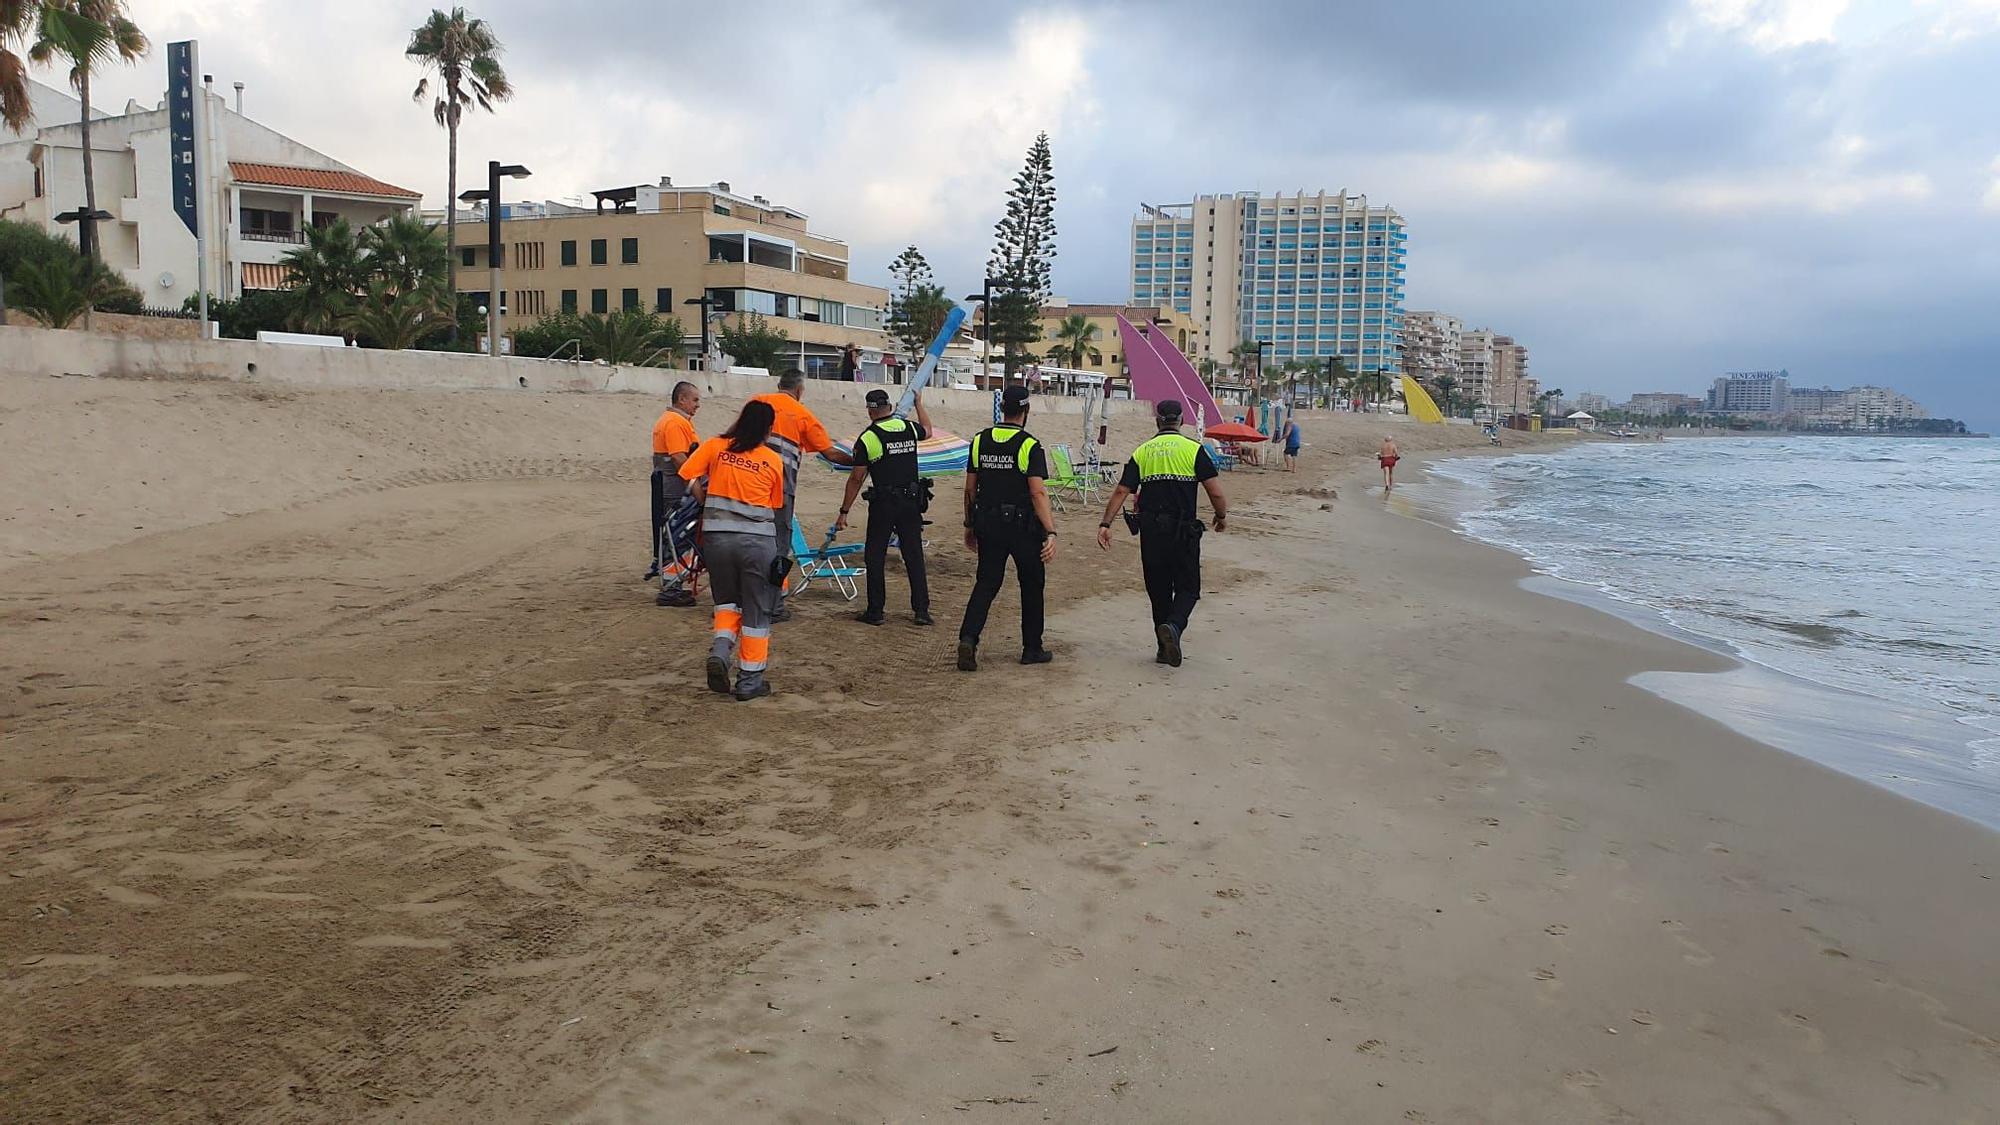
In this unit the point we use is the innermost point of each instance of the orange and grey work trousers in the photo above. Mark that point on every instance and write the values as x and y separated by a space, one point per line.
739 578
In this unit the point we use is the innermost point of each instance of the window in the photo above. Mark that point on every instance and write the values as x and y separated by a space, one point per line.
569 252
599 252
528 256
630 300
267 226
465 256
600 300
722 209
628 251
569 297
663 301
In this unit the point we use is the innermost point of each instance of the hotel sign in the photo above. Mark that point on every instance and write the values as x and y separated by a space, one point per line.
181 65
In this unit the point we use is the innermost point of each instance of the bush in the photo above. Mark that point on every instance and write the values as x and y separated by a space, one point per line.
23 244
548 334
267 310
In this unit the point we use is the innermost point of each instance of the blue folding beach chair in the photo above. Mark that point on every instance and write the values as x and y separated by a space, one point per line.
817 563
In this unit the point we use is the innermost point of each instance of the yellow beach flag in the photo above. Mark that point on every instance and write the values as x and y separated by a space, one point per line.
1420 404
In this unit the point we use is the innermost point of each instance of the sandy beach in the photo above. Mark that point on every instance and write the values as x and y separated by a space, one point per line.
349 773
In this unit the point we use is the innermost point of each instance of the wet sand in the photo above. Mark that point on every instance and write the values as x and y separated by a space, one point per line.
384 793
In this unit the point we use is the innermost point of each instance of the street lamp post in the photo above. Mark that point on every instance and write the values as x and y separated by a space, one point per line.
494 170
86 233
705 302
985 300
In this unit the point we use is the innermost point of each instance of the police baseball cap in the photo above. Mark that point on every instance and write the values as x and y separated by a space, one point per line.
878 397
1168 408
1014 398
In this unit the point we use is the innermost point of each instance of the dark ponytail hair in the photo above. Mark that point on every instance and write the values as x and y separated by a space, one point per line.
752 427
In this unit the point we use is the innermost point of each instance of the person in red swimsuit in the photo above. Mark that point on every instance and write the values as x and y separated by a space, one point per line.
1388 457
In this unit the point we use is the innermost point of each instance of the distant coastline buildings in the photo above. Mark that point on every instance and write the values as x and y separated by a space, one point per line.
1313 275
1767 399
1488 370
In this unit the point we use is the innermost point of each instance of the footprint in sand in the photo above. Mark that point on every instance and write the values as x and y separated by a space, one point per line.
1798 1021
1555 929
1644 1018
1692 951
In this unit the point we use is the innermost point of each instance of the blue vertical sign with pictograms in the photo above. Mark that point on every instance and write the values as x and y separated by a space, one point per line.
181 66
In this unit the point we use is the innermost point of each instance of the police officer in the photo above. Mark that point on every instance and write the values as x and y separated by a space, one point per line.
1007 517
898 496
1165 471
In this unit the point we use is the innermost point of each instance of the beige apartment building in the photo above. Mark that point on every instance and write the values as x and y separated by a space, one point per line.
1431 343
1106 353
656 246
1493 372
1314 275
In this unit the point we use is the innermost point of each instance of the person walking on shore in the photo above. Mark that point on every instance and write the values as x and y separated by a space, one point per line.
1007 516
898 497
795 433
1166 472
740 481
1388 458
673 440
1294 439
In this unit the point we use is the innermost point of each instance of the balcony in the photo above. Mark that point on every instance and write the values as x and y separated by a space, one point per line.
287 237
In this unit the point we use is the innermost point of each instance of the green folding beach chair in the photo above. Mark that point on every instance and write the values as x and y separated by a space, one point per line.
1064 481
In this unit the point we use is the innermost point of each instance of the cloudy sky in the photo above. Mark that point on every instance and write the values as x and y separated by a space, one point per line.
1647 192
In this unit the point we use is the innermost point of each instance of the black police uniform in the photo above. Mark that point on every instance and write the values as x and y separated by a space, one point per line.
1167 472
897 497
1003 458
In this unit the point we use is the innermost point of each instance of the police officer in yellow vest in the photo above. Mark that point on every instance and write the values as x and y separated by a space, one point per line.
1166 472
897 499
1007 516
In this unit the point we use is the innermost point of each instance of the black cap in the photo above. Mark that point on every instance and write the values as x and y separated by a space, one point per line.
1168 408
878 397
1014 397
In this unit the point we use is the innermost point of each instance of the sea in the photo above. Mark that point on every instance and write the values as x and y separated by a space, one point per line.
1855 580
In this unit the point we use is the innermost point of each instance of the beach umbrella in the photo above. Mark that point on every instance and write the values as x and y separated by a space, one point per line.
1235 431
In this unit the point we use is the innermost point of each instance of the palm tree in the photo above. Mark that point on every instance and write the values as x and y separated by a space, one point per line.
48 291
326 274
1076 332
464 55
631 336
1245 354
392 319
17 17
410 256
86 32
1446 385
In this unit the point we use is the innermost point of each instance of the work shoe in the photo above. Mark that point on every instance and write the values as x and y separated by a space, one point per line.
870 617
678 598
718 675
1037 656
652 571
1170 644
783 614
923 617
745 692
968 656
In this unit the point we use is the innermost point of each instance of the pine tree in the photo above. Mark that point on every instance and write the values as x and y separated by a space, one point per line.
1024 254
918 307
910 269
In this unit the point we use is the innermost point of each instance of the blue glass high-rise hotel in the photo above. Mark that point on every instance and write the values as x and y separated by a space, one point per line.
1314 275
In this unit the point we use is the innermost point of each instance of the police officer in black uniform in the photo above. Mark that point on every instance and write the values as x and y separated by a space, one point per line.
1007 516
1168 472
897 498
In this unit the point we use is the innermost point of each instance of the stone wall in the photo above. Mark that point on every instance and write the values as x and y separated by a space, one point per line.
41 351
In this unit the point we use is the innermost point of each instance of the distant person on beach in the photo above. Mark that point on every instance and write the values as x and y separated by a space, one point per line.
850 365
740 481
1007 517
898 497
795 433
1388 458
1167 471
673 439
1294 439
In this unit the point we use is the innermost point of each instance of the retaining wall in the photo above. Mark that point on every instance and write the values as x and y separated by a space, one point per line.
40 351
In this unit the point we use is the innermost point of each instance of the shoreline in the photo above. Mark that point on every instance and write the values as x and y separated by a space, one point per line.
1856 733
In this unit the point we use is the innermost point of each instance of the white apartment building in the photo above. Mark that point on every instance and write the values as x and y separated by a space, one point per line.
261 189
1431 343
1313 274
1856 408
